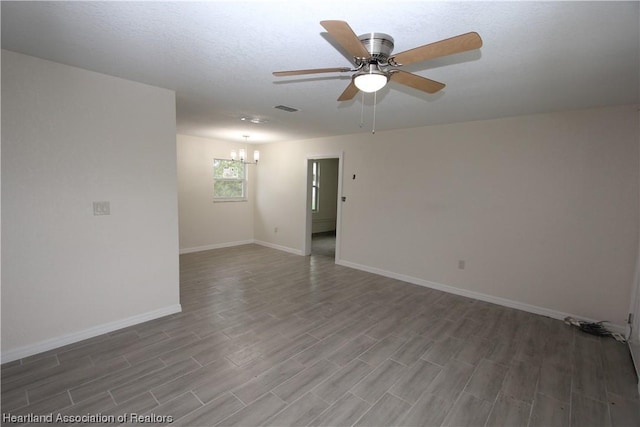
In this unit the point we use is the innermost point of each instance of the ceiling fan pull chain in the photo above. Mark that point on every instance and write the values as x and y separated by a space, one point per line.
362 112
375 101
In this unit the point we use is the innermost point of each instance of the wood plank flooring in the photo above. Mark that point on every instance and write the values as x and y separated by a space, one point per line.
270 338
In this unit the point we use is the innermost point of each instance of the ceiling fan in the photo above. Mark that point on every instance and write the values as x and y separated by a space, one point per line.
375 65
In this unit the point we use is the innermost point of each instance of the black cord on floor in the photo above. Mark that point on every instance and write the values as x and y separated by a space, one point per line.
594 328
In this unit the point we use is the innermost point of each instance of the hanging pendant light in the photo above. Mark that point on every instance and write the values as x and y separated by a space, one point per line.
242 153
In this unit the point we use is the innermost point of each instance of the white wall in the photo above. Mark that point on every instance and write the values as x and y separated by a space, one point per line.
543 209
324 219
205 224
281 196
71 137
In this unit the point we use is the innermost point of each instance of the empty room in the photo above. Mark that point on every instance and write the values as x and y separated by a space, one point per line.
305 213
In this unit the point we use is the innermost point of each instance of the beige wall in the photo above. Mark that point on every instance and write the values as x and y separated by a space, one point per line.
543 209
71 137
203 223
325 217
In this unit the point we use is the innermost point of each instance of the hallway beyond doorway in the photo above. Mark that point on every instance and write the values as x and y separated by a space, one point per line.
324 244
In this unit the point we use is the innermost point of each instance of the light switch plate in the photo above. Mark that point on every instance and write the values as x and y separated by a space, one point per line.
101 208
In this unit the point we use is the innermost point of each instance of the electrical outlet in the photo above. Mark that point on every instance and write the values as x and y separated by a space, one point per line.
461 264
275 229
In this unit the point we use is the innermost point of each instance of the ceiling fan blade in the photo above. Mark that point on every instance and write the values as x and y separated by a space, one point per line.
349 92
311 71
416 82
343 34
457 44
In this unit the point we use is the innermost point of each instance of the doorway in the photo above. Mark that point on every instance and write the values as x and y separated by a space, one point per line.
322 210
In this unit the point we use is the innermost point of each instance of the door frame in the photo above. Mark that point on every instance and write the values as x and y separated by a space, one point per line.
633 329
308 217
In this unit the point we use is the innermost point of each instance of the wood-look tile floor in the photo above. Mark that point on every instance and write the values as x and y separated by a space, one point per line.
270 338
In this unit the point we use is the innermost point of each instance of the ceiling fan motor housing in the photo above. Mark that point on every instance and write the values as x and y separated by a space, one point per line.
379 45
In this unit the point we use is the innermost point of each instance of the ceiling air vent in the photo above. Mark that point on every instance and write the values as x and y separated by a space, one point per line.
287 109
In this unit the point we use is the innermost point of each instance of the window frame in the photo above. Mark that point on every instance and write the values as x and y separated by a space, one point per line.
315 185
243 181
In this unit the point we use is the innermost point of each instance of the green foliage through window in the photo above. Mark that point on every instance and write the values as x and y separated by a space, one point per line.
229 180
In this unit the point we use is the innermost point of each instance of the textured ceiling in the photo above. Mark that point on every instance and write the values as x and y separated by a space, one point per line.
218 57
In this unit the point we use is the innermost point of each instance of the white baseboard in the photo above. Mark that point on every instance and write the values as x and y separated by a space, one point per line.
278 247
239 243
215 246
50 344
323 225
554 314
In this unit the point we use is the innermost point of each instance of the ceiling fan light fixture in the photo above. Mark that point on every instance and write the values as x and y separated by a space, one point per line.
371 80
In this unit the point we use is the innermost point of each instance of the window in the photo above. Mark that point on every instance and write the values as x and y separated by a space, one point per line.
315 185
229 180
